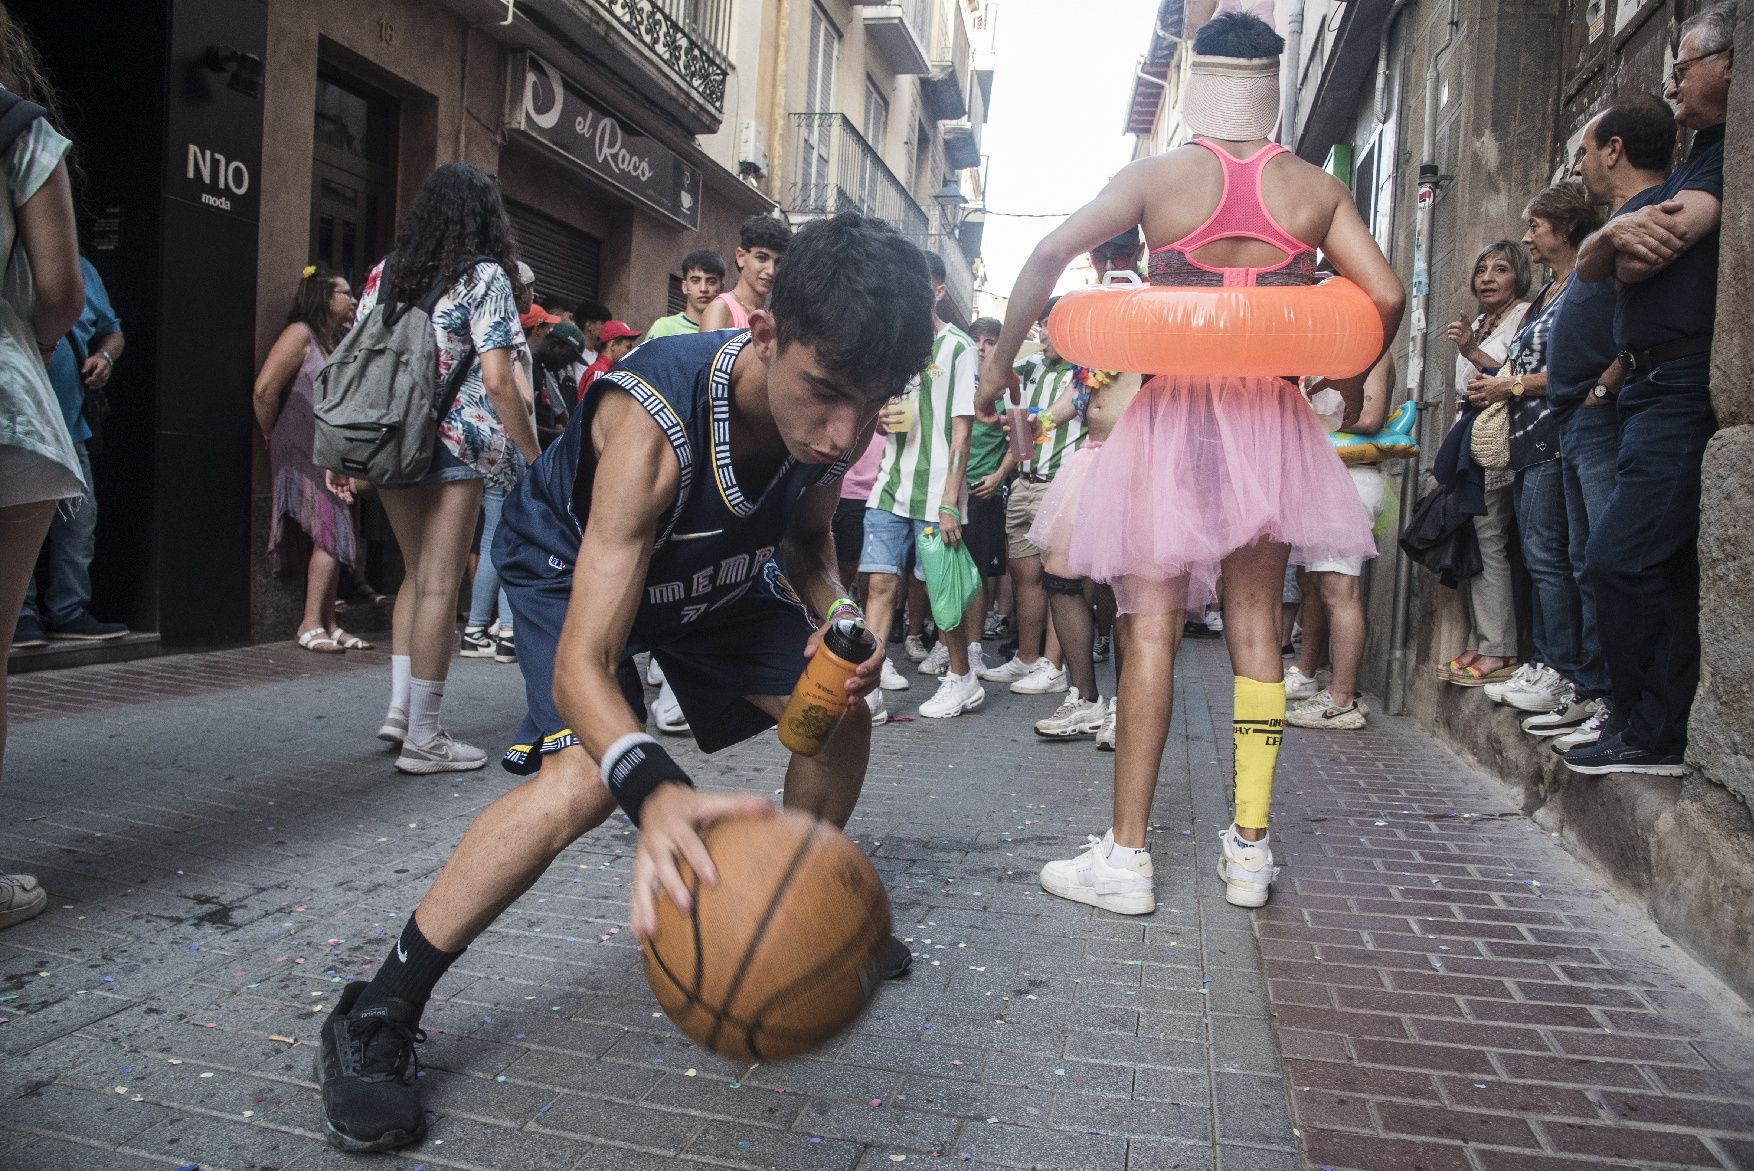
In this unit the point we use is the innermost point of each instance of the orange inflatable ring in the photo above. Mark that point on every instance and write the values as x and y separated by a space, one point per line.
1268 331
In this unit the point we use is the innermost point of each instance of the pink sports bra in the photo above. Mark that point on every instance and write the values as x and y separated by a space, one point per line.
1241 214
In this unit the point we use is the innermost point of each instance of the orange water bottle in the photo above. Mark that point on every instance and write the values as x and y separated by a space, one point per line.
820 698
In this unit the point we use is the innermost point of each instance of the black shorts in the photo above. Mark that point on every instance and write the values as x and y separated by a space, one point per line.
984 534
849 530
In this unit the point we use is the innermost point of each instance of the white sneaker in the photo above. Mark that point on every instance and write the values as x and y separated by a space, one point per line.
654 673
879 710
1587 733
667 712
1297 684
1100 648
1547 690
1092 879
977 658
1075 717
892 679
956 694
394 729
445 754
1010 671
914 647
1572 713
1325 699
1523 674
1105 735
937 662
1043 679
1246 868
1214 621
1327 716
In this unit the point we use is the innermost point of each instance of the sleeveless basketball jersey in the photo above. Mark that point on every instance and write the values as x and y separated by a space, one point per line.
714 540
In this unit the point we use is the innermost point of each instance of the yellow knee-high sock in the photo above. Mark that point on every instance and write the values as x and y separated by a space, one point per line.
1258 725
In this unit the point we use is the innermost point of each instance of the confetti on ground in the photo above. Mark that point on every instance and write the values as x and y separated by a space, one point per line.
283 1040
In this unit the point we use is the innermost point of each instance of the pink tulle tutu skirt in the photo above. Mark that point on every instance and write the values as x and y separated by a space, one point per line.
1052 527
1200 467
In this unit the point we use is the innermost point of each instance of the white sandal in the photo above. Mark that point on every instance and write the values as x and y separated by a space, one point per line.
349 642
318 640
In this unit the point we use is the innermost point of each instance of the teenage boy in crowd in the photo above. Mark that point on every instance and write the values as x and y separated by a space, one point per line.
760 243
703 275
1037 667
921 484
591 317
615 339
647 489
990 464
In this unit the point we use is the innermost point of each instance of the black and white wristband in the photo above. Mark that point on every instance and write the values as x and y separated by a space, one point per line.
633 767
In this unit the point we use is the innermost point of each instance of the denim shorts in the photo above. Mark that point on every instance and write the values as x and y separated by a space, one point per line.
447 468
889 543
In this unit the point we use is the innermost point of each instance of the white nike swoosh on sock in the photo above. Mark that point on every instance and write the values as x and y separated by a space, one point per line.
401 954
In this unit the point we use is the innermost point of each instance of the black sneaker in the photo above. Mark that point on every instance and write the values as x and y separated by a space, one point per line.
367 1068
894 959
477 643
505 648
28 633
1611 754
85 628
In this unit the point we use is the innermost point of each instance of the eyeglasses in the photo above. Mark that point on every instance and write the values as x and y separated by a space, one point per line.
1677 74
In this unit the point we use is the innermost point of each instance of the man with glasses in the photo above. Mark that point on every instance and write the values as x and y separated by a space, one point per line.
1642 558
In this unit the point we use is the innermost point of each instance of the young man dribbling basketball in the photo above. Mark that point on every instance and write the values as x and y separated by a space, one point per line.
696 468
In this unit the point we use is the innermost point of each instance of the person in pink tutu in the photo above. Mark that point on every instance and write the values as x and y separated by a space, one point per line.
1206 476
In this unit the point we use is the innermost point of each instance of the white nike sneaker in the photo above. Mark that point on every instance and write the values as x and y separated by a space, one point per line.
667 712
1524 674
654 673
1092 879
977 658
914 647
878 709
1246 868
1297 684
956 694
394 729
1075 717
892 679
937 662
444 754
1105 735
1010 671
1044 679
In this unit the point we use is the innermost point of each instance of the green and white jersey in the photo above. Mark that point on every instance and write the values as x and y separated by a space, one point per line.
1042 384
910 480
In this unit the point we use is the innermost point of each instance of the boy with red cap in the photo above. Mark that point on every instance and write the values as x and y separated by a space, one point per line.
614 340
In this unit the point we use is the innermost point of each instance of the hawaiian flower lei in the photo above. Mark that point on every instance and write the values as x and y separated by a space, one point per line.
1087 381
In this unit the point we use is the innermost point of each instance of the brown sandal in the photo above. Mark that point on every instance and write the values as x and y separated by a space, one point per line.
1472 676
1448 671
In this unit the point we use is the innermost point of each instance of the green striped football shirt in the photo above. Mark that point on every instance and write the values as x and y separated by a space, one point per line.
1042 384
910 480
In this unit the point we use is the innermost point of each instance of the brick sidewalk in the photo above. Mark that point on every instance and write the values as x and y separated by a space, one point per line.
220 863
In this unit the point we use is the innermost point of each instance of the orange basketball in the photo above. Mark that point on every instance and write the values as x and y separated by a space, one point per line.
781 954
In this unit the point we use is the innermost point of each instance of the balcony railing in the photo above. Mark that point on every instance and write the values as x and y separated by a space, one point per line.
836 170
959 272
900 29
692 37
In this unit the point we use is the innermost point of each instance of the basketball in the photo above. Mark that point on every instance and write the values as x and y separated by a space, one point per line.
782 954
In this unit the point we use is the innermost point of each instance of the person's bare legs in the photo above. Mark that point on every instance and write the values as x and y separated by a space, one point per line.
958 639
881 592
439 522
1073 623
918 606
1254 582
827 784
1148 682
1032 607
322 575
22 529
1315 653
1344 606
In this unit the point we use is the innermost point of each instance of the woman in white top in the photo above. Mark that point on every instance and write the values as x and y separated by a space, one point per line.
41 298
1501 287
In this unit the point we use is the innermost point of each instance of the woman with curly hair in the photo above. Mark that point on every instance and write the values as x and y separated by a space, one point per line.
455 235
312 527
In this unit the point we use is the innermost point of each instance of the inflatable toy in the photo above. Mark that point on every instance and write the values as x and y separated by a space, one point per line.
1394 441
1260 331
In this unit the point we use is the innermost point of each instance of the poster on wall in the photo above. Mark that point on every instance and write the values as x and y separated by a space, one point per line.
551 107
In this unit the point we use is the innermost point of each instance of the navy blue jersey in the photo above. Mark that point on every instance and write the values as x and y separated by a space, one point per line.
714 540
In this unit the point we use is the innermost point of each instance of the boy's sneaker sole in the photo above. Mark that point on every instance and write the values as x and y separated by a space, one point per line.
1244 894
1638 769
1140 903
393 1140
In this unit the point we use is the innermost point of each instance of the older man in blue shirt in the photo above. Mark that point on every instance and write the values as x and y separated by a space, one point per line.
82 362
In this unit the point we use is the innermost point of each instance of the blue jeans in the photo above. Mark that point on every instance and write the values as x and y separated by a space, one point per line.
487 587
68 551
1643 555
1554 607
1589 446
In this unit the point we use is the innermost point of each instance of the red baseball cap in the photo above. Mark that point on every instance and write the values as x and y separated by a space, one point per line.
614 329
538 316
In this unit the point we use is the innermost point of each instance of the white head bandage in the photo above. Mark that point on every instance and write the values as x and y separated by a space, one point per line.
1233 98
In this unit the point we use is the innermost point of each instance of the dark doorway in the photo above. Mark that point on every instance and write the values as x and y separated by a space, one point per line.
353 174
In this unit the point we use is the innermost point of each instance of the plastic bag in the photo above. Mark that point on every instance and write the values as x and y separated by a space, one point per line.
952 578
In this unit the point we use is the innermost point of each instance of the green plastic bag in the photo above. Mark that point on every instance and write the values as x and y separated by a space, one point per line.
952 578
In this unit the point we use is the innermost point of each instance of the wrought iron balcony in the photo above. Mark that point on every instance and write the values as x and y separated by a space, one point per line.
691 37
958 270
834 169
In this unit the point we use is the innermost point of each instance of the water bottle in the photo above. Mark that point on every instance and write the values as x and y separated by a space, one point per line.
820 698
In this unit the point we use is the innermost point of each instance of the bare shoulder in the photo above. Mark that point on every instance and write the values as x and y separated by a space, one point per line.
626 436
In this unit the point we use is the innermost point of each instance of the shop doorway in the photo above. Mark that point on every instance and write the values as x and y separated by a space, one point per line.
566 261
353 174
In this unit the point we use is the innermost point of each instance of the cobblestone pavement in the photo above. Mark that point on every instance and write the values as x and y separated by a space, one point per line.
220 860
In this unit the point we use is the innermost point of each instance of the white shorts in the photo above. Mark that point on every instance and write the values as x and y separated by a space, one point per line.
1374 493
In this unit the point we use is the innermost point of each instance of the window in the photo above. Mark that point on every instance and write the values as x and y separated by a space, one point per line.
353 174
876 125
817 156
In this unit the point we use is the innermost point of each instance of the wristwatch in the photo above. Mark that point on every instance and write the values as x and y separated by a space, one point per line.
1516 386
1600 392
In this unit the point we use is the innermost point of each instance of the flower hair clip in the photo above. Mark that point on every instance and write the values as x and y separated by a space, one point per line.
310 270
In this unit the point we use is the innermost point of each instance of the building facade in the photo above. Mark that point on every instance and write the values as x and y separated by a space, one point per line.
230 142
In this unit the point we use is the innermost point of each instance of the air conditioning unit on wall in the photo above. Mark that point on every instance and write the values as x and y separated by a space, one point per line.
751 146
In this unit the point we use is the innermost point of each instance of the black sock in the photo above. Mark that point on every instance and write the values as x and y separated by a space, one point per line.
410 972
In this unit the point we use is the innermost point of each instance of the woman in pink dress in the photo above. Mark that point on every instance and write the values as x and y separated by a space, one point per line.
1205 476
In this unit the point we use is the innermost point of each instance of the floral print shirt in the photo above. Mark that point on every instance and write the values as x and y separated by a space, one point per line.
477 314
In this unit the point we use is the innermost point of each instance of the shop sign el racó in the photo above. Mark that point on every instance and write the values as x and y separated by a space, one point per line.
552 108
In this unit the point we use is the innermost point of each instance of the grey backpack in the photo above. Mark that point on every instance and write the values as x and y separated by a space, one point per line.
378 397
